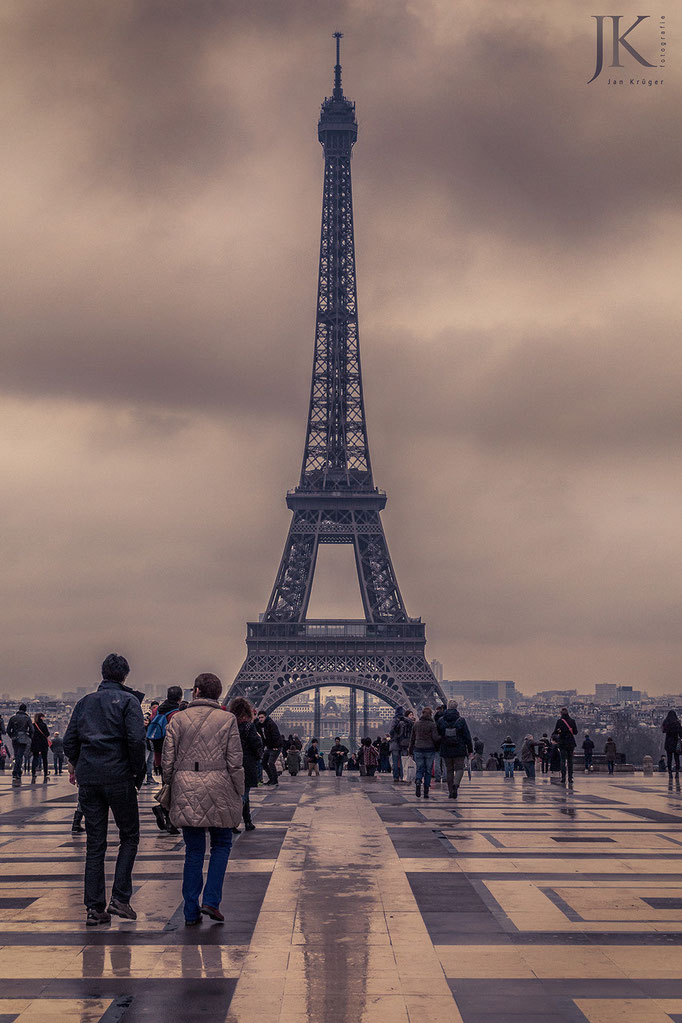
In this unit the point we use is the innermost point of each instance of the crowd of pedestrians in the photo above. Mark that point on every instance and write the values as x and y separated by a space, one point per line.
208 756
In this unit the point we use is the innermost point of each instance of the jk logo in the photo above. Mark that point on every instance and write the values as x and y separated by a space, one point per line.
618 39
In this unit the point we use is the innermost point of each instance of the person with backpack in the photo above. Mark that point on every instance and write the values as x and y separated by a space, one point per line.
156 733
20 731
399 734
455 746
508 756
424 741
565 732
672 727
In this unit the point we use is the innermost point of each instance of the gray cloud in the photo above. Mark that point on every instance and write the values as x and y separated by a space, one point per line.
518 253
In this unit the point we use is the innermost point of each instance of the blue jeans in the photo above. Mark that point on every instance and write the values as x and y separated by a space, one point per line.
193 873
397 765
423 758
529 768
509 768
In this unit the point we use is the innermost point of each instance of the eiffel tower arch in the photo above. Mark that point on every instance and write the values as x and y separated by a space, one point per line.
336 501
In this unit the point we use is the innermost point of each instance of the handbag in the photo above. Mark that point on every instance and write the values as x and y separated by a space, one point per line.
163 796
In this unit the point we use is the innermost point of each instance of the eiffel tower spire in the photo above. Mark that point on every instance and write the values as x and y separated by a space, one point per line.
336 501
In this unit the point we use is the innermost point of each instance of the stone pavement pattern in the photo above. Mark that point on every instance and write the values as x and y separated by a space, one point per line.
355 901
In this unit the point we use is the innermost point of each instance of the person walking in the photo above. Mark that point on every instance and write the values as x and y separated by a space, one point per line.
272 741
20 731
610 752
40 747
528 757
252 753
57 748
424 741
508 756
565 732
312 759
399 736
369 756
156 733
544 747
455 746
588 750
105 742
337 756
672 727
202 762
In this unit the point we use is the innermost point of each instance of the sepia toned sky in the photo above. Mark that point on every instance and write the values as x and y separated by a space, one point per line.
518 249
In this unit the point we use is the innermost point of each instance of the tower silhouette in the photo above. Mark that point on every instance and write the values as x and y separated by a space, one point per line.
336 501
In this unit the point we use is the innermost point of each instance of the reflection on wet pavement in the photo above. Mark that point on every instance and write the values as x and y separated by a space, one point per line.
354 900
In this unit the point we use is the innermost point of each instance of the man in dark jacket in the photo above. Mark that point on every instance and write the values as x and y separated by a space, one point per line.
20 731
105 743
272 741
565 732
338 754
455 745
588 750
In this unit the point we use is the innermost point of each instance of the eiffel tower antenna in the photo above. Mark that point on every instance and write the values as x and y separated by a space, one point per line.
336 501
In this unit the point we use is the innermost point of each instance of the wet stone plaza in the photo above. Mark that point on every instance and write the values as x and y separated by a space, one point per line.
355 901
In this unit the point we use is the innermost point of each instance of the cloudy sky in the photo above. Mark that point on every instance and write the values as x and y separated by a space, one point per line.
518 245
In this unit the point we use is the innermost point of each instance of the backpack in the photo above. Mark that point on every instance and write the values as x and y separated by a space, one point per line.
159 724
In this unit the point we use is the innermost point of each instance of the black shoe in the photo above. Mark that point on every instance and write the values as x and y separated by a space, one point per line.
426 793
123 909
418 789
77 829
454 792
236 831
172 830
160 817
193 923
95 917
250 826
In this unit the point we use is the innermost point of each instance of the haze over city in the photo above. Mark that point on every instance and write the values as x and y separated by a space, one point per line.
518 277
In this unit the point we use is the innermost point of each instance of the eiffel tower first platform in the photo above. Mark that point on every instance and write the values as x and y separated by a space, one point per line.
336 501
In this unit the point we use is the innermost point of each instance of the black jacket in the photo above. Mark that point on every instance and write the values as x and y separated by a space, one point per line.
39 743
455 735
269 733
565 732
252 750
338 752
105 739
673 732
20 727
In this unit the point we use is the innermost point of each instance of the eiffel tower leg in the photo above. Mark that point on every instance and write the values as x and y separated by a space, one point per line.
378 584
317 715
353 728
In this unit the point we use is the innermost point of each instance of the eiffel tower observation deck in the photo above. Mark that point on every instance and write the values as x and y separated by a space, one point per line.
336 501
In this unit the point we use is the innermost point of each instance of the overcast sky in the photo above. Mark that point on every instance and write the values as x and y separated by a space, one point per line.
518 251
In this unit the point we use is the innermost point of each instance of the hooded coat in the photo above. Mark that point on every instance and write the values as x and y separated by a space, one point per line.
202 761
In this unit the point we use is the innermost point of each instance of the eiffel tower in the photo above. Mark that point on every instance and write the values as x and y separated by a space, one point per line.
336 501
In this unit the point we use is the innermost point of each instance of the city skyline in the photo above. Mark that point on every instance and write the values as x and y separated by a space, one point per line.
518 248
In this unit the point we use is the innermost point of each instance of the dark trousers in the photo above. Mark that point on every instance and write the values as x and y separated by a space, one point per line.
588 761
338 766
670 755
269 764
545 763
385 764
193 888
19 754
37 757
566 764
96 801
610 764
529 768
58 760
246 806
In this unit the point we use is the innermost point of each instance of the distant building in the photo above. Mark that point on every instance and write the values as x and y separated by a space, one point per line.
480 690
437 669
611 692
557 695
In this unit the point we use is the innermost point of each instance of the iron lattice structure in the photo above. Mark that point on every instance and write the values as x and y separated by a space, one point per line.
336 500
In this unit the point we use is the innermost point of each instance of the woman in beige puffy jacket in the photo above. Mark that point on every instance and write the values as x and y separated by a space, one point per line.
202 763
